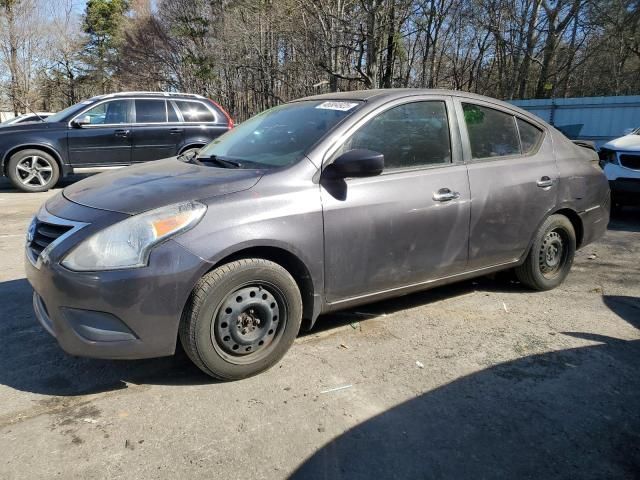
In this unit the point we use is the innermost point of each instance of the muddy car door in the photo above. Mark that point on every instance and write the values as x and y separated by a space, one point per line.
513 178
410 223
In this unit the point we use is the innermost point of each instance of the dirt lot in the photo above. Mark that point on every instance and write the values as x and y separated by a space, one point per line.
478 380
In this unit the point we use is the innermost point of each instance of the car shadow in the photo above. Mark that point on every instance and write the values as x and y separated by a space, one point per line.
32 361
572 413
626 219
504 282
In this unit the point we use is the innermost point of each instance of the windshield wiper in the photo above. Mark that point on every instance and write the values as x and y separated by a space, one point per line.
222 162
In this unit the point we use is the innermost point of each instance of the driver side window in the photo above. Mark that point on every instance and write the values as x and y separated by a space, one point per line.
410 135
108 113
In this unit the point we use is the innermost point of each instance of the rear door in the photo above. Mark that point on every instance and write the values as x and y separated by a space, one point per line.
106 139
398 228
513 179
153 136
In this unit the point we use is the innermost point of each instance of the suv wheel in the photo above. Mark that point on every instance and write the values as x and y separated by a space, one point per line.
33 171
551 255
241 318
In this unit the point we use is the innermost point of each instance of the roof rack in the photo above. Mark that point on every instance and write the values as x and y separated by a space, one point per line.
164 94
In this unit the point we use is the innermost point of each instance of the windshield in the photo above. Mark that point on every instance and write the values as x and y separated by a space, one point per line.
278 137
63 114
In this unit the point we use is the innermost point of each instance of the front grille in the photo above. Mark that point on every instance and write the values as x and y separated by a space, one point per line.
44 234
630 161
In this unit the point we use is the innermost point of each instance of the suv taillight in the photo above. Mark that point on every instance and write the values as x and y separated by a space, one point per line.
224 112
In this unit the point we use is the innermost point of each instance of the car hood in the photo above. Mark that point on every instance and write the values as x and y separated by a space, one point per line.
154 184
21 127
628 142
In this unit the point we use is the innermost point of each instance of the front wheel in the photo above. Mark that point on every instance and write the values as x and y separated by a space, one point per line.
33 170
241 318
551 255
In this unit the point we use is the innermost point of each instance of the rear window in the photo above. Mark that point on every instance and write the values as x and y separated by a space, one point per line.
151 111
492 133
195 112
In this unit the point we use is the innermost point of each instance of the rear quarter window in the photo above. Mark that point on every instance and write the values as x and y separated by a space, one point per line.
195 111
530 136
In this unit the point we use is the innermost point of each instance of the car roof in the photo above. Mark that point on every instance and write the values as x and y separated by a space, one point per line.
387 94
179 95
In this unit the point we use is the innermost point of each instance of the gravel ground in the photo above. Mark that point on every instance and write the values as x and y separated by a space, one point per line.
481 379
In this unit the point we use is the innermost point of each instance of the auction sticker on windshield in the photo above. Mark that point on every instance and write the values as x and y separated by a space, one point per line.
342 106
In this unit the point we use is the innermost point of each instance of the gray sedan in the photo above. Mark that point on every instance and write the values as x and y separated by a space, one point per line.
316 205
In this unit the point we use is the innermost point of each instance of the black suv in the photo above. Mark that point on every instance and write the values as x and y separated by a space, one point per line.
106 132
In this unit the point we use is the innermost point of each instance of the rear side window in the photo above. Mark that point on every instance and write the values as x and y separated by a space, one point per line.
151 111
530 136
410 135
195 112
492 133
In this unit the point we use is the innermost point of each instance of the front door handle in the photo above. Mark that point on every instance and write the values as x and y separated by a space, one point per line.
445 195
175 131
545 182
122 133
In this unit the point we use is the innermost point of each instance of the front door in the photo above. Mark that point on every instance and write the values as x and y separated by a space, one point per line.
105 140
513 179
408 225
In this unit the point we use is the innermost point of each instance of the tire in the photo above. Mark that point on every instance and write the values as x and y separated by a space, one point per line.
33 170
551 255
191 150
241 318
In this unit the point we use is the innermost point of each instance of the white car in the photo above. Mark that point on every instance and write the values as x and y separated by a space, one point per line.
27 117
620 160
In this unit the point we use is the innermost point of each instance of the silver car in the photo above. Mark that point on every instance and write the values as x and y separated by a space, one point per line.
313 206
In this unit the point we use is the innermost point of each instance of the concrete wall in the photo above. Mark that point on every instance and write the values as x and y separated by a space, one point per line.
588 118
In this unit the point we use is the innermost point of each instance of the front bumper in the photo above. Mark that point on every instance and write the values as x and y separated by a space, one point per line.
120 314
625 191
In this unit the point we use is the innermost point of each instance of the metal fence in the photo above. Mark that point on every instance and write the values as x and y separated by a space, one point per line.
599 119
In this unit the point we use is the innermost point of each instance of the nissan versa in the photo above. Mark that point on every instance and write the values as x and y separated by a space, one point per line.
316 205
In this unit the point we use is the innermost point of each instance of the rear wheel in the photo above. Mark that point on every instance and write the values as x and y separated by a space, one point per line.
241 318
551 255
33 170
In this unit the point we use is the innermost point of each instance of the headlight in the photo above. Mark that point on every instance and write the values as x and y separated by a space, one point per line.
127 244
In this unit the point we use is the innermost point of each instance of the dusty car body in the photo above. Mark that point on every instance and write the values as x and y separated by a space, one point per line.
318 205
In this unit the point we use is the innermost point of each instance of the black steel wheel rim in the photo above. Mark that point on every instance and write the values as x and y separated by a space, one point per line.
249 322
553 253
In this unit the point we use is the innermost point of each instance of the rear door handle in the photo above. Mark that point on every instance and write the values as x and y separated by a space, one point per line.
175 131
445 195
122 133
545 182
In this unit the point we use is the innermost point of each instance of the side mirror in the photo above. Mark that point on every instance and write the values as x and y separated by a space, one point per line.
356 163
80 121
